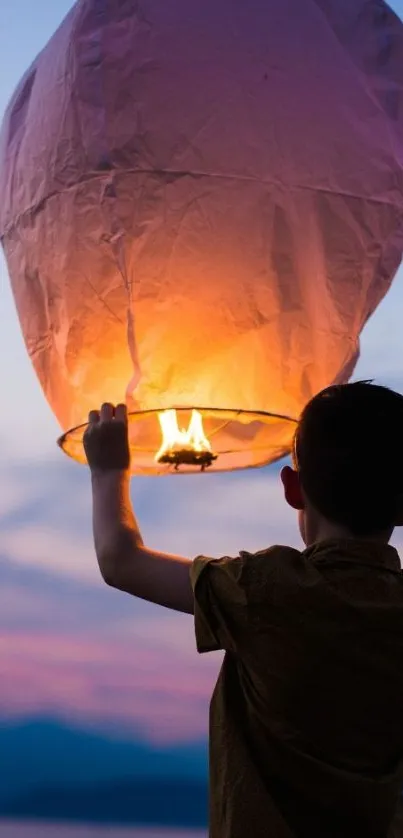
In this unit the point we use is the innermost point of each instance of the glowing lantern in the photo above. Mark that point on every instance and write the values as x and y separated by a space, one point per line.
201 205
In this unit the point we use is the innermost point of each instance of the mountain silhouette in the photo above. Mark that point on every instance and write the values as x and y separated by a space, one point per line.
153 802
51 770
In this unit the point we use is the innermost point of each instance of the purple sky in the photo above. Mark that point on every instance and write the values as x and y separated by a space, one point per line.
68 645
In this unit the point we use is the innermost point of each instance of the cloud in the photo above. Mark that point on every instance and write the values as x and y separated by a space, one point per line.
116 683
381 340
76 651
46 514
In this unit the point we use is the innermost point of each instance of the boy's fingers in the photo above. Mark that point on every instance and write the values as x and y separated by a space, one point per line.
93 417
121 413
107 411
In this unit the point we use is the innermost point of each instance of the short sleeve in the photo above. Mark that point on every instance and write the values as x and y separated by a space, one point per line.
226 593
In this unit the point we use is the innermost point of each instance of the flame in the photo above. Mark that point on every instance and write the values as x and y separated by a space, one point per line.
177 441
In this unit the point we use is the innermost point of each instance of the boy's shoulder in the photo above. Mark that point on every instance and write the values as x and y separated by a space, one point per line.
247 561
274 553
266 561
278 565
249 570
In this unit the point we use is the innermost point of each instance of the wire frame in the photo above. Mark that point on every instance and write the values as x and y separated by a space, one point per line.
239 439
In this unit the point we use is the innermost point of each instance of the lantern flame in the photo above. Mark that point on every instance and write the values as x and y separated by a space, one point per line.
184 447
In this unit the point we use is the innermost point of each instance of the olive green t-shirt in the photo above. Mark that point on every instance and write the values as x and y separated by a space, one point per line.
306 720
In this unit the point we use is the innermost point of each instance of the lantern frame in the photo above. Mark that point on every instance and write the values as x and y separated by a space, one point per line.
240 439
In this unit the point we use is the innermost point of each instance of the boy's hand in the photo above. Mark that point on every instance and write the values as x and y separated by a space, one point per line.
106 439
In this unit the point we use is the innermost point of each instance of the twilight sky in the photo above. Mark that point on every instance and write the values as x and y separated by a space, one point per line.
70 647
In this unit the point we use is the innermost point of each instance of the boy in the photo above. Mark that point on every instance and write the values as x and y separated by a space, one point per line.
306 725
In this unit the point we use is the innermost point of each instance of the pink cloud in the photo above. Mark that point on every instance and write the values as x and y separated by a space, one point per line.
86 678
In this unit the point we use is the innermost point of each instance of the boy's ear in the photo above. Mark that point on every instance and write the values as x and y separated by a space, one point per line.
292 488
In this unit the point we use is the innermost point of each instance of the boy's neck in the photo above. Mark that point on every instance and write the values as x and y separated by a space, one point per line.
323 530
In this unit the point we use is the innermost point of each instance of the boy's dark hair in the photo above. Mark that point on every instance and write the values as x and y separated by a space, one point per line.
349 452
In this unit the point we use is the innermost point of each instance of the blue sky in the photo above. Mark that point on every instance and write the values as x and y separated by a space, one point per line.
68 646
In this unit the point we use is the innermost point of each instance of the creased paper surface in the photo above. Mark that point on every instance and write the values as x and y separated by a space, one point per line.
202 200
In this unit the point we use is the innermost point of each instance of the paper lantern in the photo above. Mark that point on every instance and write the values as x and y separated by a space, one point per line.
201 206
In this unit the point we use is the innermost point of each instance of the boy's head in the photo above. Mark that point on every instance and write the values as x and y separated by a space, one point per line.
348 463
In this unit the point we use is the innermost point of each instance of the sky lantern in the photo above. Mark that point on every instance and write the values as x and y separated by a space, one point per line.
201 205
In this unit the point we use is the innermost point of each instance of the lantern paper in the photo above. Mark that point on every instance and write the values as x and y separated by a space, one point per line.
202 204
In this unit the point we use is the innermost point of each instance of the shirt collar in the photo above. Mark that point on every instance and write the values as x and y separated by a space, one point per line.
355 551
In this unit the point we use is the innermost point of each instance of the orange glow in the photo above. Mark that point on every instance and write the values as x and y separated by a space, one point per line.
180 446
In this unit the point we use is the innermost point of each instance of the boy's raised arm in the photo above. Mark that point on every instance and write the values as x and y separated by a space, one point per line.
125 563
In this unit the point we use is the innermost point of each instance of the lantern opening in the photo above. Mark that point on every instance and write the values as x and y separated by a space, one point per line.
184 447
216 440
